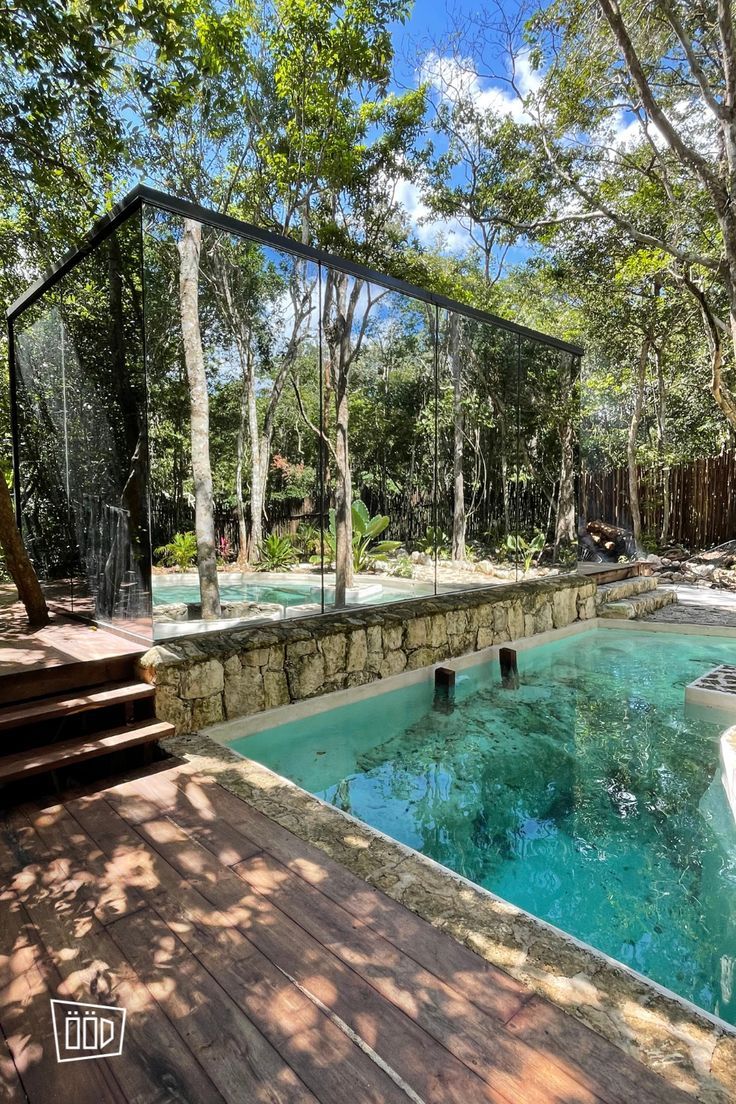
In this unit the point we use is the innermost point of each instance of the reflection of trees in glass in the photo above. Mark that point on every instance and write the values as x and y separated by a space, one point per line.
106 441
266 302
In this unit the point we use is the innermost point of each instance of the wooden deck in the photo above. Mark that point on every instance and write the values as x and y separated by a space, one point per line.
254 969
65 640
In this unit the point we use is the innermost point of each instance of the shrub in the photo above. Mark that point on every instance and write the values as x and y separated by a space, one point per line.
181 551
365 530
275 553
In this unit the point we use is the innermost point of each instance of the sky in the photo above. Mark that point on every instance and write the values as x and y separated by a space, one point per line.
426 33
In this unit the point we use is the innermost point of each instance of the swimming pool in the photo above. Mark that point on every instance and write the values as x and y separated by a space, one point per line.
292 594
589 797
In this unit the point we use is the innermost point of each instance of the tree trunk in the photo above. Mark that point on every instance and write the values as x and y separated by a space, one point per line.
189 255
260 456
343 498
19 565
631 442
662 448
239 501
565 525
458 513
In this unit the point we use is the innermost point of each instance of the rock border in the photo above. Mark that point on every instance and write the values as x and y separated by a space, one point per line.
234 672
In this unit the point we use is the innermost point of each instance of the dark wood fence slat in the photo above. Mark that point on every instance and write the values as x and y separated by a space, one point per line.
702 500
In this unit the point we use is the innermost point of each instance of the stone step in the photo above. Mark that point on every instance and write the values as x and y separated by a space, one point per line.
639 605
624 588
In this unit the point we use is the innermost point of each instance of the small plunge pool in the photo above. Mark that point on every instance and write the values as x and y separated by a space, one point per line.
589 797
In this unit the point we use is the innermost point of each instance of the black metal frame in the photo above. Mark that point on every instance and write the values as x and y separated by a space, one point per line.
142 194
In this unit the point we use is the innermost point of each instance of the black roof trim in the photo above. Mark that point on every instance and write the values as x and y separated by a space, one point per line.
142 194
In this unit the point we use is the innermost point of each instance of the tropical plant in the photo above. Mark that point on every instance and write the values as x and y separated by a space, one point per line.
307 538
524 549
224 550
404 568
365 531
435 541
181 551
275 553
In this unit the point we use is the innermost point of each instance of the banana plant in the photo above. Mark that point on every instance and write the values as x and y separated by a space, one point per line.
366 550
526 549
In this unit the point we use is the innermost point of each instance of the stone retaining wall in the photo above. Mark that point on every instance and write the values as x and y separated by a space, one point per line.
221 675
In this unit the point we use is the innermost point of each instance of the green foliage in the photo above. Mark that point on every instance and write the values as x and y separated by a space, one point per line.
307 539
276 553
181 551
366 549
434 542
525 550
404 568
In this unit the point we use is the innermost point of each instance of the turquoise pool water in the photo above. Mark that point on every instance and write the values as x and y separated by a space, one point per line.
292 595
589 797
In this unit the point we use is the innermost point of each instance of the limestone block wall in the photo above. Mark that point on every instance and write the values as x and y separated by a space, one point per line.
221 675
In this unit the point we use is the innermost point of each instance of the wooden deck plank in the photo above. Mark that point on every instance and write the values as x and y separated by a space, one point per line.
441 1010
563 1038
398 984
322 1055
22 764
28 981
263 966
236 1056
417 1058
156 1066
490 989
547 1029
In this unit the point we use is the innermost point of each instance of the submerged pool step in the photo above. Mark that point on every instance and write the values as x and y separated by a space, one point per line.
639 605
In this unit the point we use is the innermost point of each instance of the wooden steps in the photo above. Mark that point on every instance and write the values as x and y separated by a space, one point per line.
23 714
64 752
41 682
55 715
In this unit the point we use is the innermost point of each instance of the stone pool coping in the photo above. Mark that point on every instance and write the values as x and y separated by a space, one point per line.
693 1050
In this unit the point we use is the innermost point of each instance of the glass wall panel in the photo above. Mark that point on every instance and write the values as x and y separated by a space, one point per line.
250 314
216 432
378 401
106 436
549 415
41 434
477 453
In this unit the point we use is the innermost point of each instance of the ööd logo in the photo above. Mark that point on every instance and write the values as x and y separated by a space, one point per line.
87 1030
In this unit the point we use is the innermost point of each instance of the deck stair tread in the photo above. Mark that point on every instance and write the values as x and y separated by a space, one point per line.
624 588
639 605
18 686
39 760
57 707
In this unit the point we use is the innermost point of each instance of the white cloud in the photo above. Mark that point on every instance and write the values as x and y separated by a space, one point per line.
456 80
428 228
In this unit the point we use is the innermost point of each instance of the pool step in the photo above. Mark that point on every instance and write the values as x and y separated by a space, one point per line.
624 588
639 605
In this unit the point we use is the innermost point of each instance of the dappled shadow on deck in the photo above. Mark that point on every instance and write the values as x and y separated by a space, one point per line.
254 968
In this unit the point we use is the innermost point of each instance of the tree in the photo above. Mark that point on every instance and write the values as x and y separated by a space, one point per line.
189 252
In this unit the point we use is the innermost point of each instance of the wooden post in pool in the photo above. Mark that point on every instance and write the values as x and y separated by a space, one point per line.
509 669
444 678
444 690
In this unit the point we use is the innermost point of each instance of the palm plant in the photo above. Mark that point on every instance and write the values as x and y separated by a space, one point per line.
275 553
527 550
181 551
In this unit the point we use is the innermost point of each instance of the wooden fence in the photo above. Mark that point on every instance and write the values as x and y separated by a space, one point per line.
702 507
